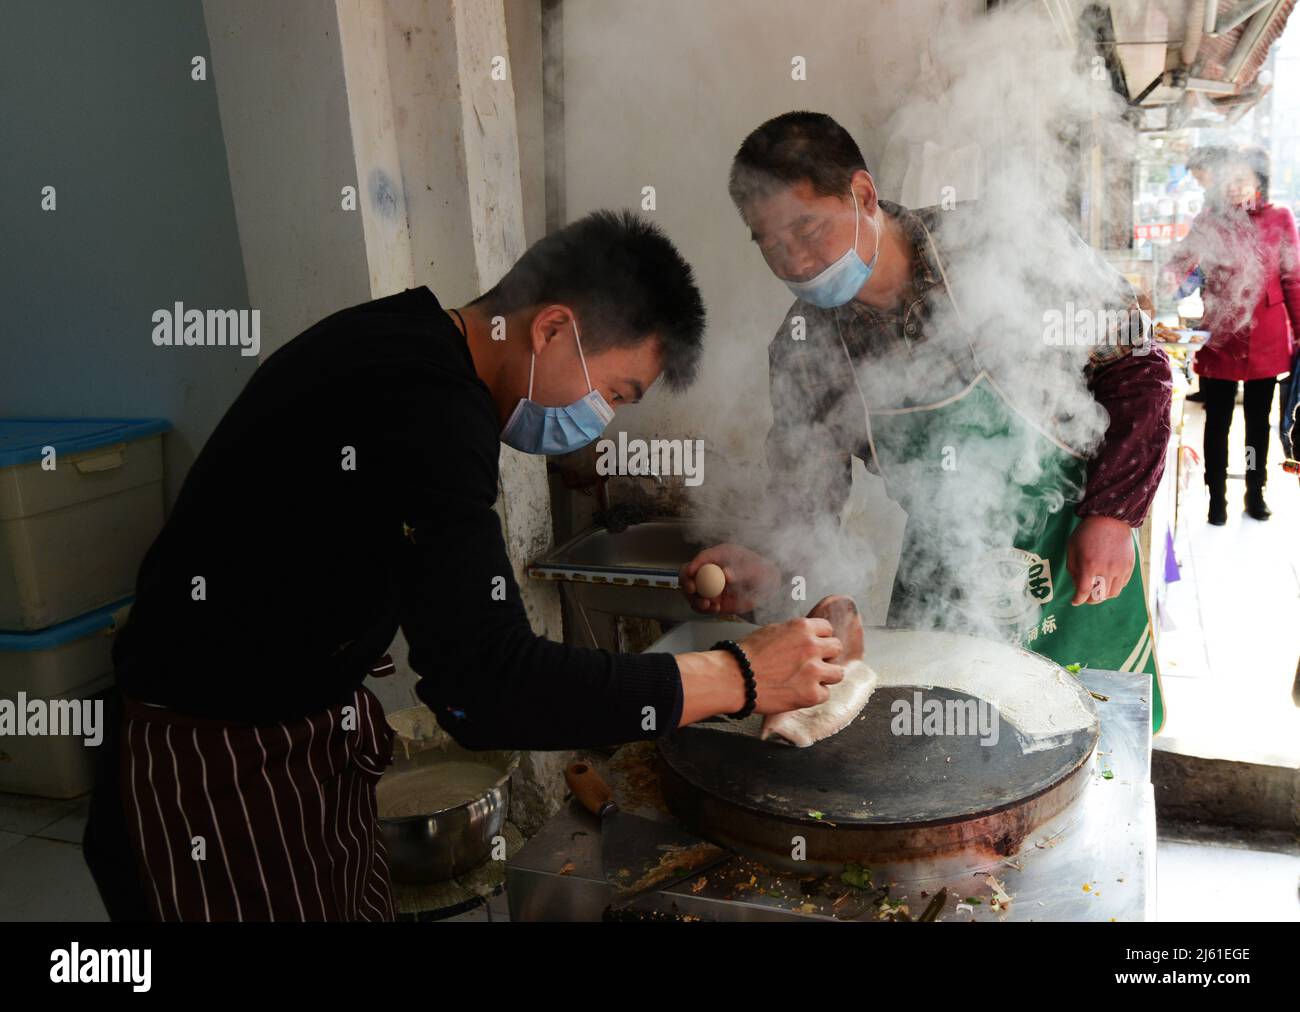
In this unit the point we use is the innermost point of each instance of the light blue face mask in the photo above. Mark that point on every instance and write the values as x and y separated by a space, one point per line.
535 428
843 279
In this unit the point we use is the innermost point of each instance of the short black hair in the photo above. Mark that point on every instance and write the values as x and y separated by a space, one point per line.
791 148
624 279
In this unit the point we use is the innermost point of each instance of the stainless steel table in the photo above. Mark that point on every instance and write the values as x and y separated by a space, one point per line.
1094 862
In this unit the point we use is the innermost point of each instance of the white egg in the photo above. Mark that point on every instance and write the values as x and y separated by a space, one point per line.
710 581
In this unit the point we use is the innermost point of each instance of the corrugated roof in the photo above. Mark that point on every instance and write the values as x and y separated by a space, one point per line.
1215 53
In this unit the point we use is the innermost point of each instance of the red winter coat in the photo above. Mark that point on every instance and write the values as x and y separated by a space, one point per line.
1251 290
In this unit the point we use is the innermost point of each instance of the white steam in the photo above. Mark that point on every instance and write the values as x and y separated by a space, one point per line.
1002 121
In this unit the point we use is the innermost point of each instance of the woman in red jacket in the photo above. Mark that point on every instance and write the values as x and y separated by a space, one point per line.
1247 251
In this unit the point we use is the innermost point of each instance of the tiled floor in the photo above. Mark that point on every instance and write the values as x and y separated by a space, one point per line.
1200 882
42 874
43 877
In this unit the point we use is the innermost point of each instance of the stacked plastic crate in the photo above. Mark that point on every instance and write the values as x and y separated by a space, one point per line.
80 502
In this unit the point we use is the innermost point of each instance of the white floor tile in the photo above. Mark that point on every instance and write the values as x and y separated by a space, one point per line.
71 827
20 813
1201 882
47 880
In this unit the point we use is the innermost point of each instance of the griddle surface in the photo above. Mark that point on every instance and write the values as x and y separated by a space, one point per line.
868 776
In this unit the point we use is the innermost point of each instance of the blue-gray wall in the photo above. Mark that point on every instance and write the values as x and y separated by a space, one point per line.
96 100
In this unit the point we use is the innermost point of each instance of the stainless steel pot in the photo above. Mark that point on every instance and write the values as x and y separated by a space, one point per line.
440 845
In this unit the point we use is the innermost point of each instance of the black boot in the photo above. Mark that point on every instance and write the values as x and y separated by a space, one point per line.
1218 505
1256 507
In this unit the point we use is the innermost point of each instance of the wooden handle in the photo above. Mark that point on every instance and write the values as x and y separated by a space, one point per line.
589 788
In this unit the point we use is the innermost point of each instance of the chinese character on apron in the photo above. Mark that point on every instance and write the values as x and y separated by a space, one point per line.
1020 583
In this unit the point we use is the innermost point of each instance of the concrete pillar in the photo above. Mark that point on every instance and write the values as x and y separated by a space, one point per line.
453 108
283 102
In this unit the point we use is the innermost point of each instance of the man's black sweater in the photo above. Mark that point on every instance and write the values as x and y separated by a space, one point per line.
348 491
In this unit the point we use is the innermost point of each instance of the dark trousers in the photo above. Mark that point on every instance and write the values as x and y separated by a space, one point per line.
106 845
1220 397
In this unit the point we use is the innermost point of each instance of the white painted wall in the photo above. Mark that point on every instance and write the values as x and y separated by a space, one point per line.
102 107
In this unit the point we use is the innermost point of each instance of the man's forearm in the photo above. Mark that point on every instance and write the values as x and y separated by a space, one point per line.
711 684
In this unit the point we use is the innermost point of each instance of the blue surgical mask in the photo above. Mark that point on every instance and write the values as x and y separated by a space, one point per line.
535 428
843 279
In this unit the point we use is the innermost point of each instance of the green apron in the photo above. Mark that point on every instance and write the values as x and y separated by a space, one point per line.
1016 559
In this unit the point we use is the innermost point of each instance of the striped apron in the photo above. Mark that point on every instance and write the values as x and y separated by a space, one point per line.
277 822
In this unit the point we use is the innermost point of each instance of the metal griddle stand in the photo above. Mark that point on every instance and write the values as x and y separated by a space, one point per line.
1094 862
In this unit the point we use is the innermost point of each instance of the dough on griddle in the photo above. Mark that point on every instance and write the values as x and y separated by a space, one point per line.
847 697
812 724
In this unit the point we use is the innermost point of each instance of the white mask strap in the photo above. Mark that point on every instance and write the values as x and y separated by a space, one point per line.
581 357
857 224
532 365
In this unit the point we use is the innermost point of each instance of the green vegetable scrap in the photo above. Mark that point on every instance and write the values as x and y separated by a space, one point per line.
856 876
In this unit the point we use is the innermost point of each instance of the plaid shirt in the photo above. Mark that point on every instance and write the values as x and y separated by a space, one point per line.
812 391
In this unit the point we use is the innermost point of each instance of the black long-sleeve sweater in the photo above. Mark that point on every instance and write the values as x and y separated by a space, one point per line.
347 491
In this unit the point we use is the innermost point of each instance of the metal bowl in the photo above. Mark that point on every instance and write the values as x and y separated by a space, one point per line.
444 844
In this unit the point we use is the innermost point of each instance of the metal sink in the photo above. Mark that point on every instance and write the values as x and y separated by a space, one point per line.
653 550
631 573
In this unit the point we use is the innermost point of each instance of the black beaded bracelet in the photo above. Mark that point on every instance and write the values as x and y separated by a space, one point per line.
746 672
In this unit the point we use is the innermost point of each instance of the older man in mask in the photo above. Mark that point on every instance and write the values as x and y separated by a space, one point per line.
875 359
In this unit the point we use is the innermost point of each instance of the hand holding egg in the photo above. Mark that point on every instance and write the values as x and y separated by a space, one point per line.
728 580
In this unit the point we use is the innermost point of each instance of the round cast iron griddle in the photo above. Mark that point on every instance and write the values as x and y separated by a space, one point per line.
881 796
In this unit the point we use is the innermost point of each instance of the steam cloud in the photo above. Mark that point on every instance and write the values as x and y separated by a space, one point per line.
1003 116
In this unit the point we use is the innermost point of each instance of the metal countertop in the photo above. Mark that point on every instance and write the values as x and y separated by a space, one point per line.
1095 862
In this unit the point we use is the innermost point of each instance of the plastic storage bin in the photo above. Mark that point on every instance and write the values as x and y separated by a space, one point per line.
73 660
71 538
